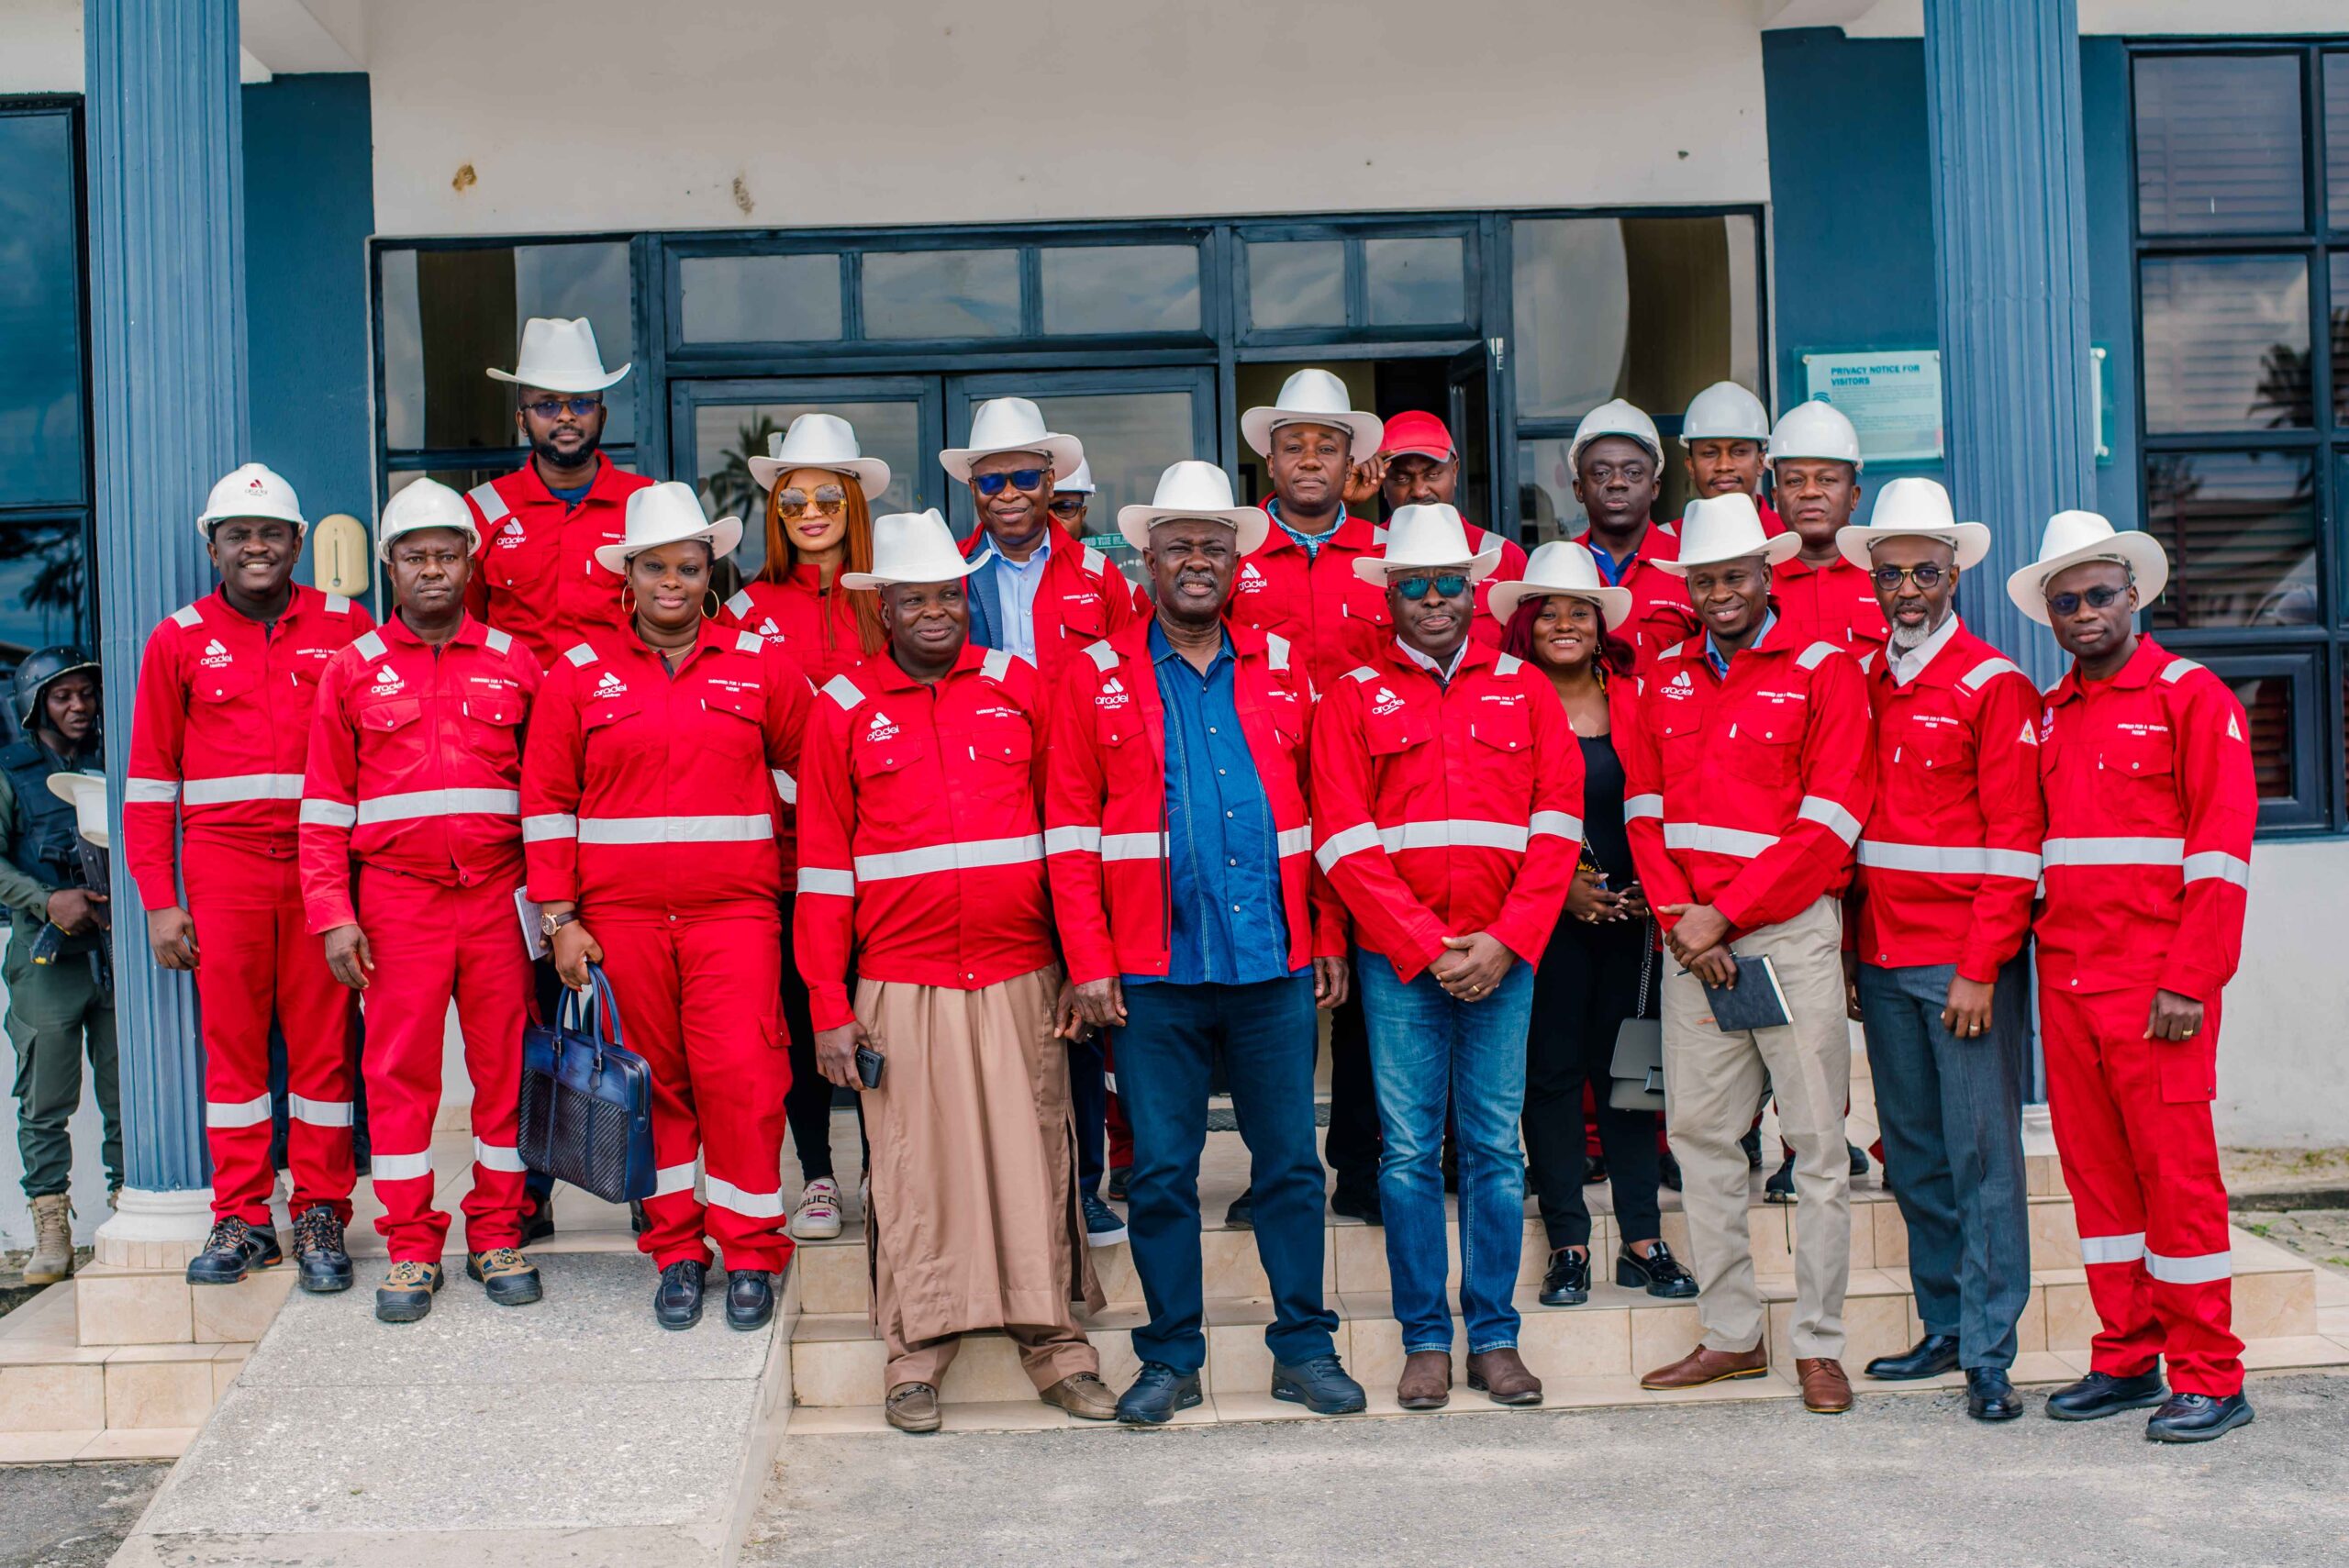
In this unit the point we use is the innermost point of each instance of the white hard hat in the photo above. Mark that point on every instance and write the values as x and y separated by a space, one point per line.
252 490
1725 412
1815 429
424 503
1615 418
1079 482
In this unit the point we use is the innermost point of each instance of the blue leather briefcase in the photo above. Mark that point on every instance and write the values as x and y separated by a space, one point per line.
587 1099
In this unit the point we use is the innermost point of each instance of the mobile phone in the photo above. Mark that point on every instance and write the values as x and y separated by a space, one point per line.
869 1064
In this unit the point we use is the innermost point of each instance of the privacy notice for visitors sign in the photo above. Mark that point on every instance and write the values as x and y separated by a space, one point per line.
1893 399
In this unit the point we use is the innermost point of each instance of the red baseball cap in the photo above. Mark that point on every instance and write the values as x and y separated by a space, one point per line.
1417 433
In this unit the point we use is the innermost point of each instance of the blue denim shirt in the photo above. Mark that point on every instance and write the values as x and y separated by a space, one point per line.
1226 922
1310 543
1720 661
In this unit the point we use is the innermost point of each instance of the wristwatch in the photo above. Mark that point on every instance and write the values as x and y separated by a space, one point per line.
549 924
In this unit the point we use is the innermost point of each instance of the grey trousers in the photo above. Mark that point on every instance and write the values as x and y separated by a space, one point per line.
1712 1081
1952 1114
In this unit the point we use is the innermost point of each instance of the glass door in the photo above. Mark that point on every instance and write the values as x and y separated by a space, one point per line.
1472 384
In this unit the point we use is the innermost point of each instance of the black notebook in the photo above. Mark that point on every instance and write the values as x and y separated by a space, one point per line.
1756 1002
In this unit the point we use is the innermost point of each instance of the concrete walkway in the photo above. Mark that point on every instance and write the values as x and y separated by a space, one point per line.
1902 1479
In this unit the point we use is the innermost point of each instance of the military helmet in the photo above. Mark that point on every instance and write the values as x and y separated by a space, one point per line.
34 675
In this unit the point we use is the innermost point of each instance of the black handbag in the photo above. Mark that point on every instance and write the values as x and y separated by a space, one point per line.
587 1099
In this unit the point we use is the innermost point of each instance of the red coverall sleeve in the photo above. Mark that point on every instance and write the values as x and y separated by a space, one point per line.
823 924
1554 843
1838 772
552 759
1119 609
1073 788
2219 796
2014 818
330 805
1324 909
1388 917
790 700
151 792
1660 875
477 581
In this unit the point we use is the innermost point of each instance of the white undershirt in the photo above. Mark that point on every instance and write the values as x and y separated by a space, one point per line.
1906 666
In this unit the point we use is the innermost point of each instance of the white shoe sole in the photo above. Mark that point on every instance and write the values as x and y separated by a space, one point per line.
1105 1238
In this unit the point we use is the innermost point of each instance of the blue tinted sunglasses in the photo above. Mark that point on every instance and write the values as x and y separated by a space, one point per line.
1449 586
1018 479
2097 597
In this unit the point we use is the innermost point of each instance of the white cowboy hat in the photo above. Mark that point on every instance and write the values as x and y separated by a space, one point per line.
1726 527
913 547
424 503
1193 489
1725 412
667 514
1012 425
2073 537
1562 566
252 490
1425 538
1079 482
820 440
1615 418
560 356
1313 398
86 793
1920 508
1815 429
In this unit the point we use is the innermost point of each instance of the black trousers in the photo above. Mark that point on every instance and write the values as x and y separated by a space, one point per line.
1353 1143
807 1103
1589 982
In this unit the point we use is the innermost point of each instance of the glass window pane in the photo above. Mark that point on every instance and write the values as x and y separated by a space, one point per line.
1296 283
941 294
1122 288
2336 138
1416 282
2218 147
2341 335
40 312
2241 535
2226 342
1545 493
727 435
450 315
761 299
1129 438
2267 702
44 588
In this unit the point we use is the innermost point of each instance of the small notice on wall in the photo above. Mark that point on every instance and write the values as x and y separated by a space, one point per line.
1893 399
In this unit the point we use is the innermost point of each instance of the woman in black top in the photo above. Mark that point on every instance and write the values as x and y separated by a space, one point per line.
1600 966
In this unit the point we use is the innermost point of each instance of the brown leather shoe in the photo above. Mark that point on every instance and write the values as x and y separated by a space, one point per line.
1083 1395
1703 1365
1426 1383
1503 1377
1825 1390
912 1408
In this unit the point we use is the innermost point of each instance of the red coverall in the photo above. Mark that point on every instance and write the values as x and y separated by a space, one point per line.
2151 803
1834 603
416 764
1661 615
537 576
1082 599
216 742
815 625
661 802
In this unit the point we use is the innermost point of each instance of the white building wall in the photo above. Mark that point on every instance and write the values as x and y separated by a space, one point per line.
2284 1042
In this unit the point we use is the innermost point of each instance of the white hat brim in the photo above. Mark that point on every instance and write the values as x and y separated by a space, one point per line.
1376 570
1614 603
2135 548
1364 431
872 474
1064 452
1135 522
1970 540
722 536
869 581
1775 548
557 384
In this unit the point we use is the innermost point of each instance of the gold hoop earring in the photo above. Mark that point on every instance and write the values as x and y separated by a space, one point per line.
714 603
627 601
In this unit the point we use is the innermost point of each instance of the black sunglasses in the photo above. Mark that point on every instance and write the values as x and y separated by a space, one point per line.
1888 578
580 407
1450 585
1067 506
1018 479
2097 597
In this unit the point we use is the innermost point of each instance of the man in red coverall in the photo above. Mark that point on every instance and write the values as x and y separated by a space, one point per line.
217 746
2151 804
1815 455
1616 460
415 774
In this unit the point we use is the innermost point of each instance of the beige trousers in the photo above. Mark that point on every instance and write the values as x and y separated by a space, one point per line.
1713 1083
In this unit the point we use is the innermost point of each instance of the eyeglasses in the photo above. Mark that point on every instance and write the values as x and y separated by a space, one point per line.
1927 576
2097 597
579 407
828 500
1067 506
1450 585
1018 479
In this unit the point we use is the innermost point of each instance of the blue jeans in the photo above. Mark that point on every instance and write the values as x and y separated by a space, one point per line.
1951 1114
1427 1051
1164 1051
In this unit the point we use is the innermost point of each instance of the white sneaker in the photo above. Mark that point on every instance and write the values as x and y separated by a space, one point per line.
817 1215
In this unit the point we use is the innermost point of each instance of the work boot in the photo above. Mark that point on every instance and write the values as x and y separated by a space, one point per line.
750 1299
53 1258
405 1295
1503 1377
2197 1417
676 1301
233 1250
504 1276
1426 1383
321 1262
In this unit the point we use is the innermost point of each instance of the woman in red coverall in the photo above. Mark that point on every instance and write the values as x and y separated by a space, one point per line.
657 796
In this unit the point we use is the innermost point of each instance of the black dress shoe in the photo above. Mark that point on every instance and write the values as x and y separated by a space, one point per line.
1990 1395
538 1218
1752 1144
676 1301
1780 1187
2101 1393
233 1250
1241 1215
1928 1357
2197 1417
1157 1394
1566 1282
1658 1273
321 1264
1357 1203
1859 1158
1320 1385
750 1299
1594 1169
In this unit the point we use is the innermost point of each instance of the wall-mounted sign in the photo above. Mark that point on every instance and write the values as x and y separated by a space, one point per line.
1893 399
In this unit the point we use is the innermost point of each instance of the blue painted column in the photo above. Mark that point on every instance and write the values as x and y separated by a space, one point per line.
167 291
2002 82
